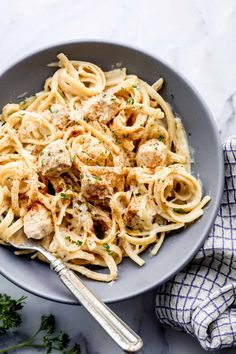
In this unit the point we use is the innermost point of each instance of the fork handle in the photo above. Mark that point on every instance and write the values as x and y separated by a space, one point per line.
124 336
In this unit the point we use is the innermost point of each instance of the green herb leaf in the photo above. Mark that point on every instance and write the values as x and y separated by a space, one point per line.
53 110
9 312
43 338
129 227
65 196
161 138
74 350
47 324
180 211
79 243
130 100
97 178
136 87
62 340
106 246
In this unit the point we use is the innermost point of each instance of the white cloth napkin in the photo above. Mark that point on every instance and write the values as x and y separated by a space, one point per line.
201 299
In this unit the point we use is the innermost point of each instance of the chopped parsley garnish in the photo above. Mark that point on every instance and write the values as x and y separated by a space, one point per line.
53 110
130 100
161 138
160 180
60 150
41 153
65 196
68 238
97 178
117 141
107 248
126 135
79 243
180 211
137 194
136 87
23 102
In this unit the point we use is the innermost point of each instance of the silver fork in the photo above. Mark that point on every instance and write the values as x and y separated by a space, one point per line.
124 336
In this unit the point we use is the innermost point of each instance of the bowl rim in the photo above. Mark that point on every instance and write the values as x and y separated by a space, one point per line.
219 153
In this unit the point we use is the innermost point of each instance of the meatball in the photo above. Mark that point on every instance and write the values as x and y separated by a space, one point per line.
139 214
55 159
38 222
151 154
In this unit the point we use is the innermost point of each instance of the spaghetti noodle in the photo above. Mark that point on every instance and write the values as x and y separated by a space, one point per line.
97 167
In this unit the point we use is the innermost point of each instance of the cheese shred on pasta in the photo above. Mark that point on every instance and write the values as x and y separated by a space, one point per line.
97 167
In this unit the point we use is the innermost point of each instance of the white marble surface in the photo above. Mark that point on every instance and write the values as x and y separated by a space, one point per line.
199 38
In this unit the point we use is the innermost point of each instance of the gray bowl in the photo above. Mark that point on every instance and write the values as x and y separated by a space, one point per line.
29 74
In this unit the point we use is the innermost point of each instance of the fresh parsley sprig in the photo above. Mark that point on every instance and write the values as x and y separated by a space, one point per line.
9 315
44 337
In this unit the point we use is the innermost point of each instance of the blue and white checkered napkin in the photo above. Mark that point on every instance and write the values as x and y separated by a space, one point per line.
201 299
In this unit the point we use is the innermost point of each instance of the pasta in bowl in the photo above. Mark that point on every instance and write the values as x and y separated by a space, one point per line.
97 167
